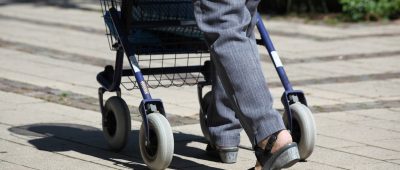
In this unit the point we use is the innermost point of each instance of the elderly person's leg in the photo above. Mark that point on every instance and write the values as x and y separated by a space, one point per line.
223 125
226 24
284 137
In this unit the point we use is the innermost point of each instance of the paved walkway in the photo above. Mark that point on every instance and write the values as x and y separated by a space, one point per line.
51 51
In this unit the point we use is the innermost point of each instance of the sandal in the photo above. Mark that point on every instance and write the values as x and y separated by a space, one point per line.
285 157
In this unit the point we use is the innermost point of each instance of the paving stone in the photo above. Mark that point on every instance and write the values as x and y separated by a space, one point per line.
32 157
395 161
75 17
372 152
348 117
358 133
56 38
9 100
313 165
12 99
371 89
338 97
323 31
391 143
334 143
9 165
346 160
326 123
384 124
377 64
379 166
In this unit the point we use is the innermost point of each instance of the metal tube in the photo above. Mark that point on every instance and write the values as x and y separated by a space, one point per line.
265 38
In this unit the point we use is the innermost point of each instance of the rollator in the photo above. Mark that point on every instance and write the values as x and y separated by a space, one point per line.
164 48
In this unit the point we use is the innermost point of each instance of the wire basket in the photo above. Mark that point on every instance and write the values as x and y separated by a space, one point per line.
161 10
106 5
164 36
165 26
167 63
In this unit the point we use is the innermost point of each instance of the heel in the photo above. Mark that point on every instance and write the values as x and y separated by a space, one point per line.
284 158
228 156
287 159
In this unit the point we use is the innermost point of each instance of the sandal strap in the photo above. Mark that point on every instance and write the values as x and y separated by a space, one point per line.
264 154
271 142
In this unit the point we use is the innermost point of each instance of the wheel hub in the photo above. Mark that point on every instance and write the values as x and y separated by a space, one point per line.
152 145
110 123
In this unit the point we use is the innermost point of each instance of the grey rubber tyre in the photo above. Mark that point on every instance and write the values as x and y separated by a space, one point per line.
203 115
116 123
158 154
304 130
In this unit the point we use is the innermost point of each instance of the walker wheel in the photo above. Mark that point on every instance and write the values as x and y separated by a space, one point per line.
158 153
303 129
116 123
203 114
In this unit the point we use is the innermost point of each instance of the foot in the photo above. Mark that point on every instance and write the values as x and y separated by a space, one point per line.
283 139
225 154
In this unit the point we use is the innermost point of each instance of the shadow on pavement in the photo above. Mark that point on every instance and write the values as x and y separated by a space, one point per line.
58 137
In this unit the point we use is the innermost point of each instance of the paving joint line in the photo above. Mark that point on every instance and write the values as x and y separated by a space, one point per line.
55 24
53 53
325 39
322 163
47 78
340 79
328 58
377 104
2 160
366 144
332 149
358 123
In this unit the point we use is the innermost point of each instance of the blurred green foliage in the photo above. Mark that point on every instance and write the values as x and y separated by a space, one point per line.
351 10
357 10
299 6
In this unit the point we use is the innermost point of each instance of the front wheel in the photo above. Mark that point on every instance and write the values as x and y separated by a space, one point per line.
158 153
303 128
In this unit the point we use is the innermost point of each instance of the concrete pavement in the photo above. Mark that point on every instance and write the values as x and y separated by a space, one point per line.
51 51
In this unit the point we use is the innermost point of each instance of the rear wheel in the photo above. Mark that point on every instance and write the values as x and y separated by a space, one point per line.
116 123
203 114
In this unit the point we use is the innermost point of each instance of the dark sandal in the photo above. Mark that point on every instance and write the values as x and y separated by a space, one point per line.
283 158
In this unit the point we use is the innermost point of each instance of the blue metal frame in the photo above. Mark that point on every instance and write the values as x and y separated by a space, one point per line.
290 96
148 105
